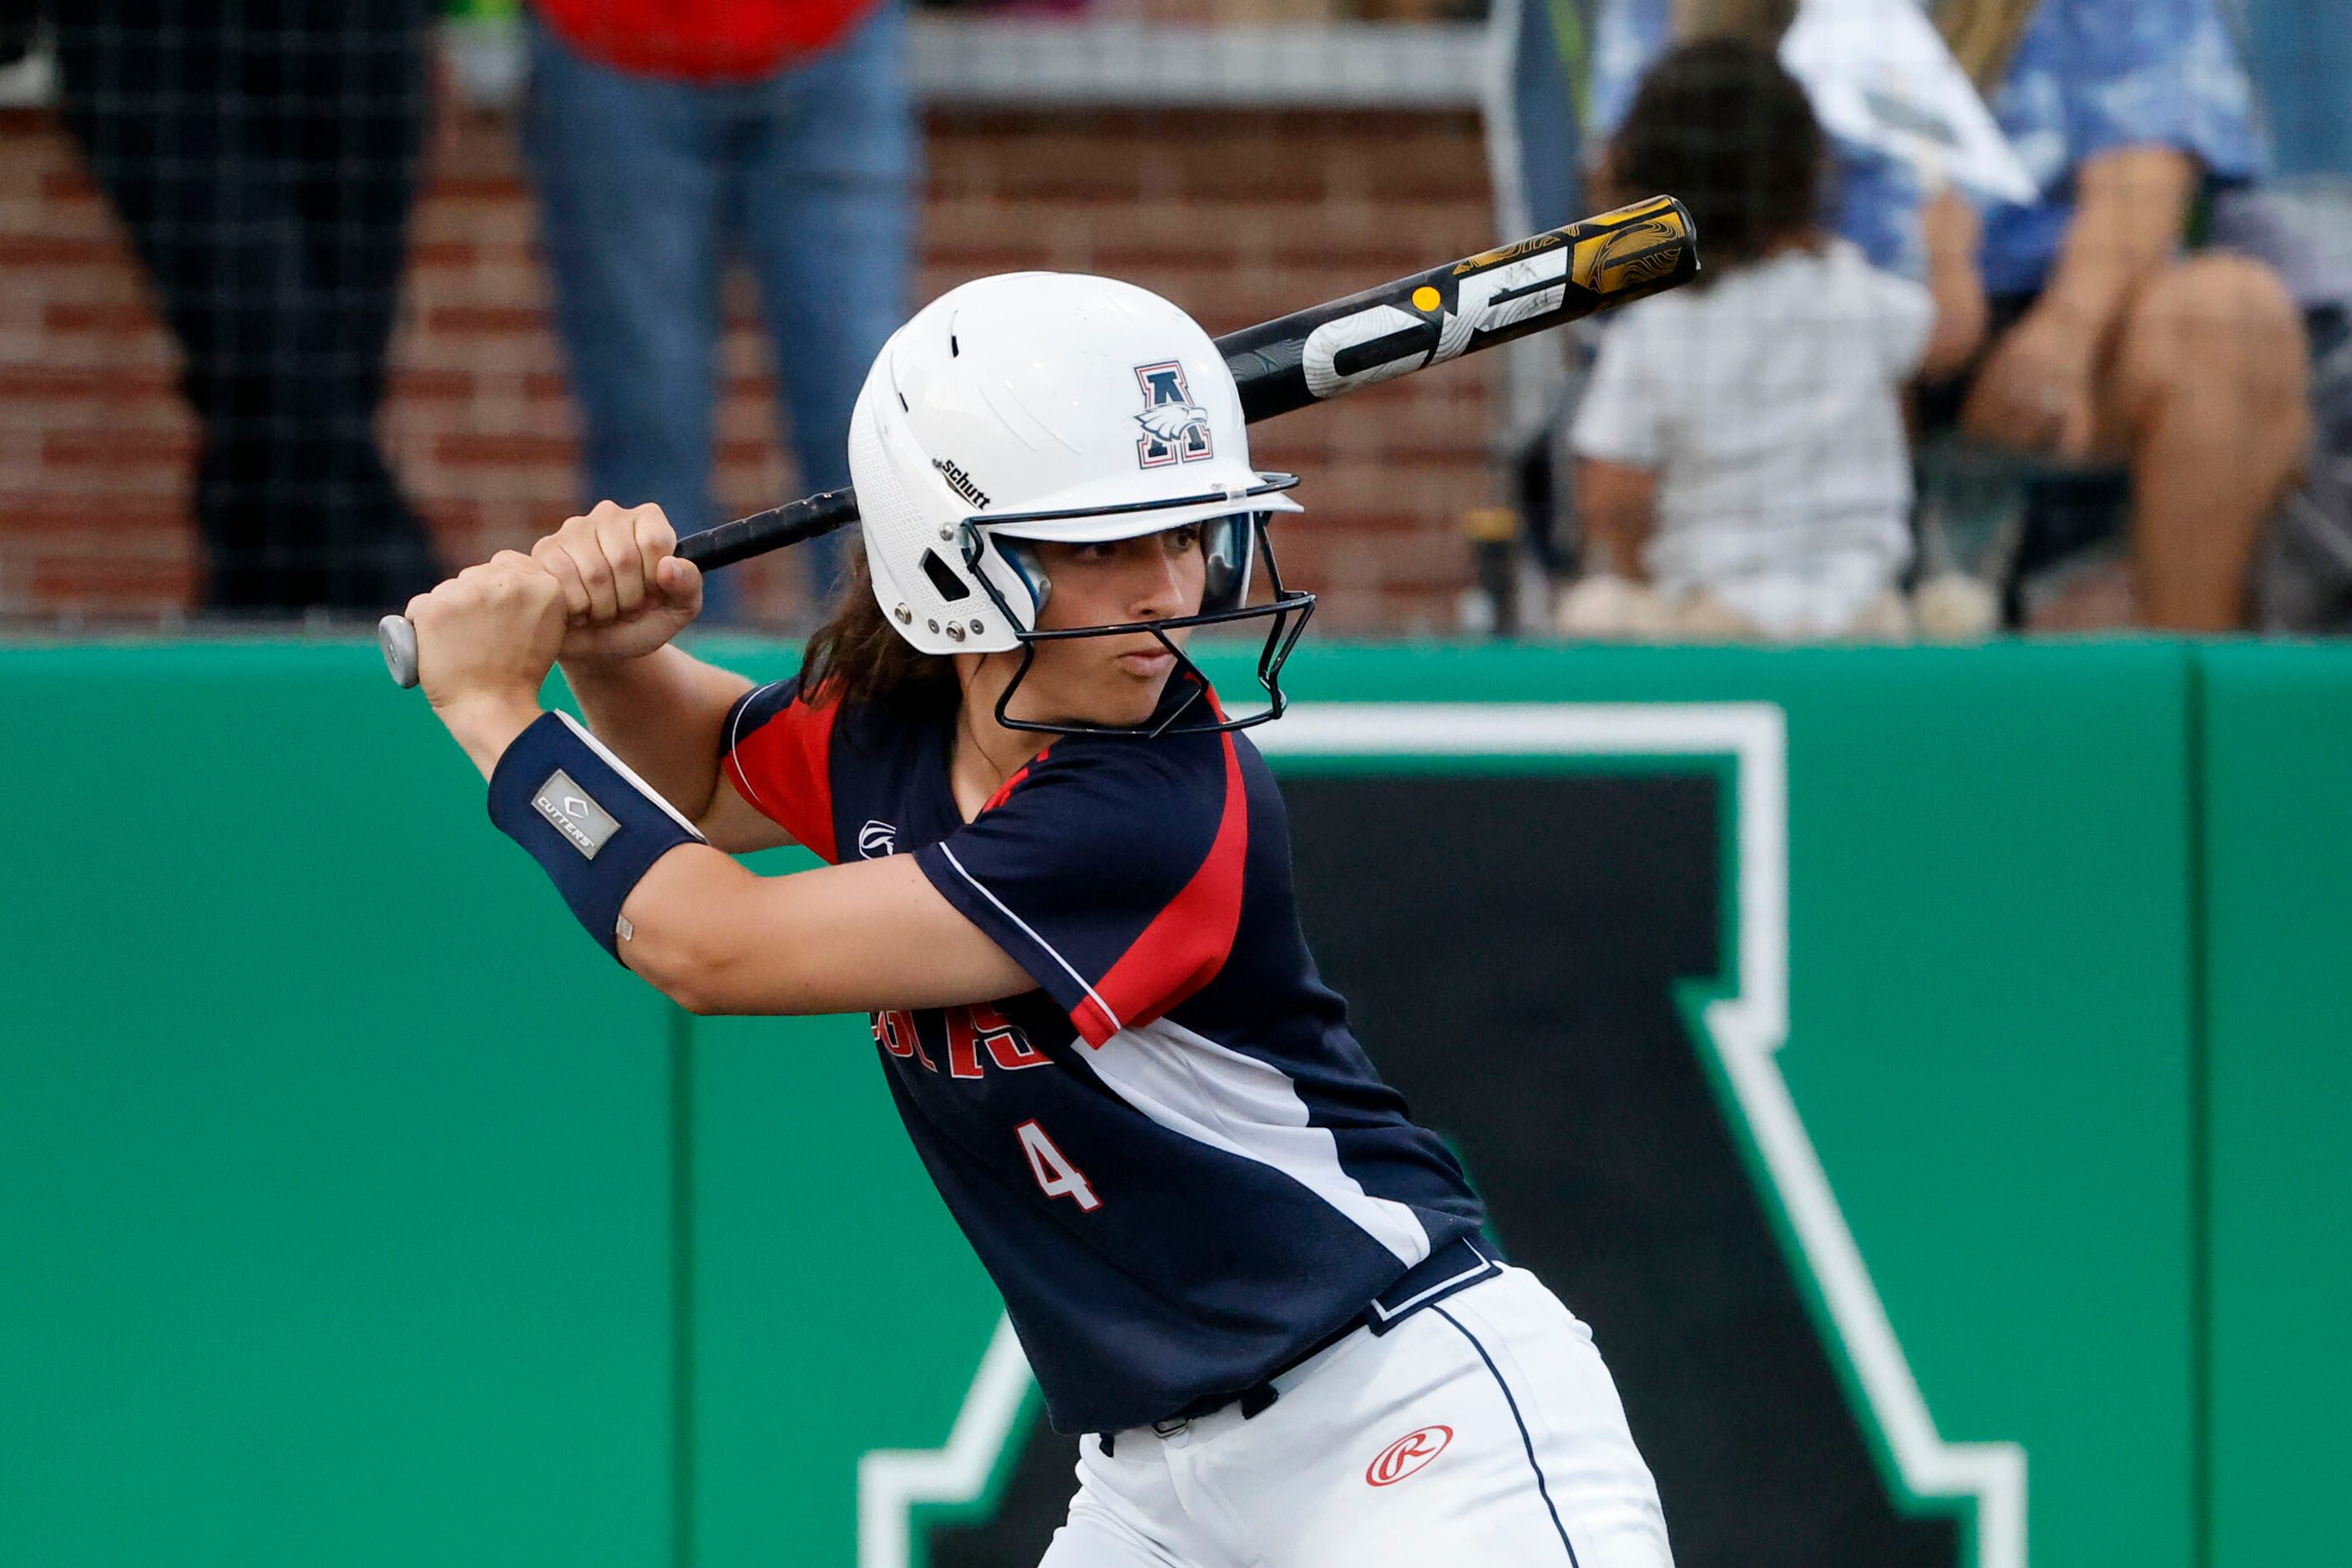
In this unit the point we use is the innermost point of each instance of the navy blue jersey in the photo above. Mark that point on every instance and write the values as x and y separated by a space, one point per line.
1172 1156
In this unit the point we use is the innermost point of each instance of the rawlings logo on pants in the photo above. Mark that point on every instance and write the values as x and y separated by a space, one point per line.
1406 1455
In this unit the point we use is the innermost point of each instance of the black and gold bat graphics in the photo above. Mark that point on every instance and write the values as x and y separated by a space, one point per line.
1561 275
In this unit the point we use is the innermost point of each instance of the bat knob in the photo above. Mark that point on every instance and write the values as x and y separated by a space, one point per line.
397 639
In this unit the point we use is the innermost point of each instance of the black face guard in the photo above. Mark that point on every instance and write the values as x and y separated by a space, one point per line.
1286 614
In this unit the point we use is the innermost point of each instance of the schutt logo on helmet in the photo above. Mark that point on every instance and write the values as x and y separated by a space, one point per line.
961 482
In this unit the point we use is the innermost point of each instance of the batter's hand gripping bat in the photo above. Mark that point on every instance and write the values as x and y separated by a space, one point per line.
1328 350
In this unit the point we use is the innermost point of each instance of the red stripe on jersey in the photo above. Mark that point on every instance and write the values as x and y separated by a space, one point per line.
1005 791
1186 943
784 768
1094 1025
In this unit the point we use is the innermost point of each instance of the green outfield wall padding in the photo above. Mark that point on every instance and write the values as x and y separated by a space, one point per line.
355 1209
2278 880
333 1201
837 1311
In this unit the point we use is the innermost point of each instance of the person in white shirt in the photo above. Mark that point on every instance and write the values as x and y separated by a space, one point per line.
1743 467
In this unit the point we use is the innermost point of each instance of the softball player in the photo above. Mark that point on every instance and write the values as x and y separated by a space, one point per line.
1059 880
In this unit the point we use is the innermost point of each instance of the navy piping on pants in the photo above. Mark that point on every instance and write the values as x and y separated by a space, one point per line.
1526 1441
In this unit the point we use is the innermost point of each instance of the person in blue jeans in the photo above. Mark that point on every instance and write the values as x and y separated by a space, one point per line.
664 139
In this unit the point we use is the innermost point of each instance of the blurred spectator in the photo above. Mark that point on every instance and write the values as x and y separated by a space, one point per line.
2105 343
1743 469
264 157
660 136
20 28
2302 57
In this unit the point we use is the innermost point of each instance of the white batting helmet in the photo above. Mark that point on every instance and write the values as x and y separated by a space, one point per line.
1045 406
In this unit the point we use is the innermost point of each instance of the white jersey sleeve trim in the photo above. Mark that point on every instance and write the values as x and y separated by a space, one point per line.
1031 932
1216 1095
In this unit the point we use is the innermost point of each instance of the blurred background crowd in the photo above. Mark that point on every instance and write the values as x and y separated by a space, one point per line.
2020 315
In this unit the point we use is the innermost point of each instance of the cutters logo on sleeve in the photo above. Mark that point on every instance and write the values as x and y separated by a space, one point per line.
1175 429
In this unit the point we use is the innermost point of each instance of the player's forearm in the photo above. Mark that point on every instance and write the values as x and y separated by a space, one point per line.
662 714
2131 211
717 939
691 920
485 725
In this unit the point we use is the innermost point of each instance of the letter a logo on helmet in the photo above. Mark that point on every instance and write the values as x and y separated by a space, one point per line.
1005 416
1175 427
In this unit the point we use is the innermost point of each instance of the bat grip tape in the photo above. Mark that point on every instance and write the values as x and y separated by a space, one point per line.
592 825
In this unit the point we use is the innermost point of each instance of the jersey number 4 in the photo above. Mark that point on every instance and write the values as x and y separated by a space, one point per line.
1056 1177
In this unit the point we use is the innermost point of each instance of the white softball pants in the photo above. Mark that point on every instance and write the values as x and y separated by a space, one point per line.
1482 1432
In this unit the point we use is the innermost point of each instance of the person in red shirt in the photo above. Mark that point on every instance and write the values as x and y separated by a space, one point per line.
703 40
664 136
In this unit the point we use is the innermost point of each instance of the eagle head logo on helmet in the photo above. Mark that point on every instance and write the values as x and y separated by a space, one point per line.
1005 415
1175 429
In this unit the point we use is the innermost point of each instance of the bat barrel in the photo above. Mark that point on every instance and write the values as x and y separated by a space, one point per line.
1411 323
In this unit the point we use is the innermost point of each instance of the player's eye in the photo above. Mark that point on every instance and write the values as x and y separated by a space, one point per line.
1184 541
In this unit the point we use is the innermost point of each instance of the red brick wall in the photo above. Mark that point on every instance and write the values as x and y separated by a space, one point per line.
1238 216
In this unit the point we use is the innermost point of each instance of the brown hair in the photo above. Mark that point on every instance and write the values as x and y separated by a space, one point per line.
858 657
1983 34
1722 125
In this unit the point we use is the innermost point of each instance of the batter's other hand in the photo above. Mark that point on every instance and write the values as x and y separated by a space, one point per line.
625 589
491 632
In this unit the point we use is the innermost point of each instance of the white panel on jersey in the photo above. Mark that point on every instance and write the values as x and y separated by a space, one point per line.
1214 1095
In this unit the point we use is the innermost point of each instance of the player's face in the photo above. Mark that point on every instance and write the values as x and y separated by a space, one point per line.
1117 680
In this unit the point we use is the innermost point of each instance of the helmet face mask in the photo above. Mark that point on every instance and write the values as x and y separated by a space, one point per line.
1230 546
1035 407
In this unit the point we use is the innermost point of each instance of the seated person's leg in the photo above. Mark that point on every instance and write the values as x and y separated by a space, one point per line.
2207 393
